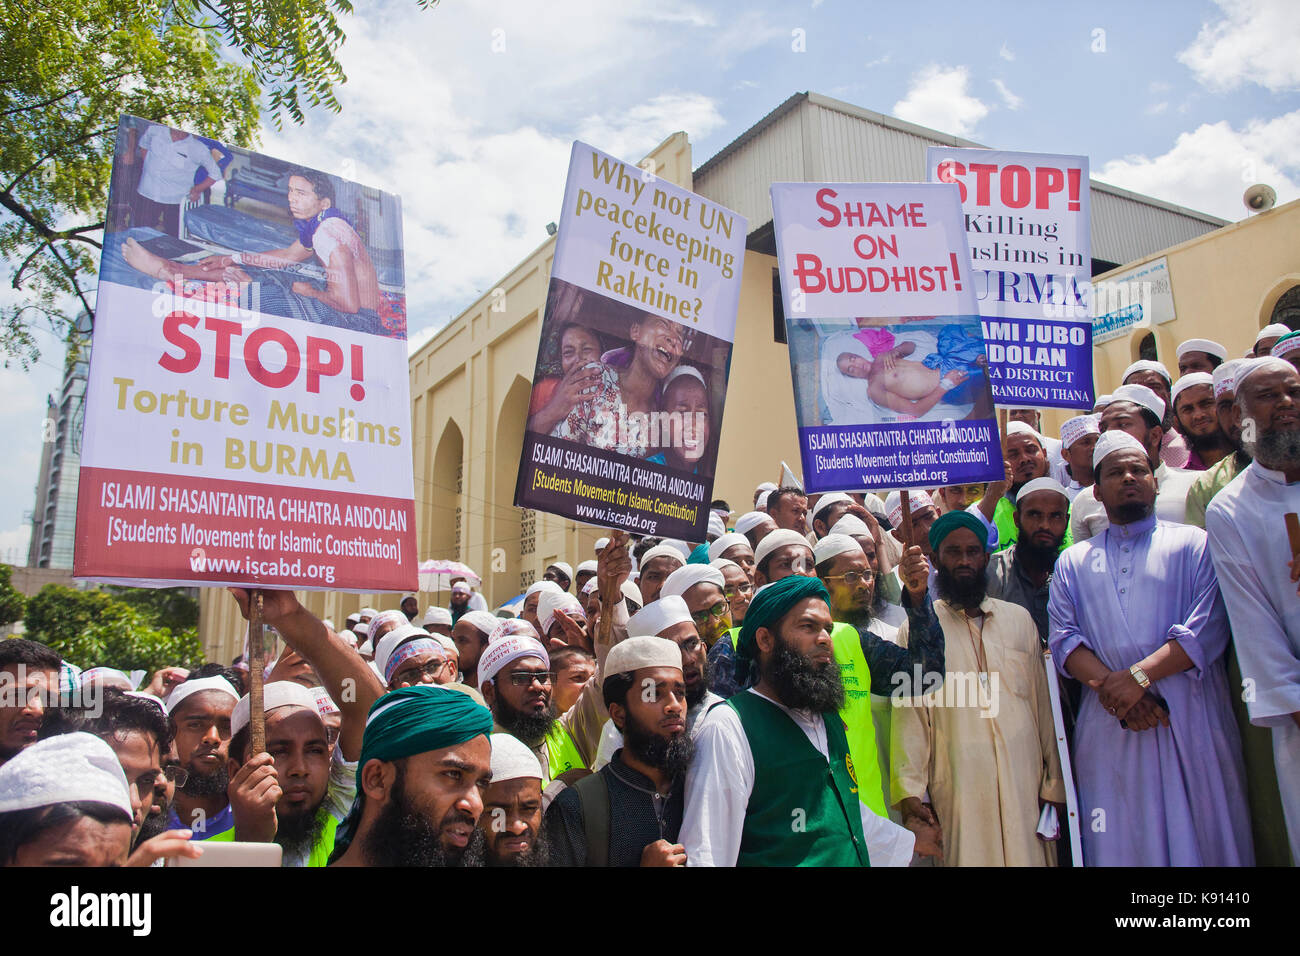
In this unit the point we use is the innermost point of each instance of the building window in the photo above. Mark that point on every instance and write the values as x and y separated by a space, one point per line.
1287 310
1147 347
460 475
778 309
527 531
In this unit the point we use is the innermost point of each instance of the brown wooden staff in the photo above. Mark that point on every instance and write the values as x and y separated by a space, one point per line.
610 594
905 498
1293 532
256 662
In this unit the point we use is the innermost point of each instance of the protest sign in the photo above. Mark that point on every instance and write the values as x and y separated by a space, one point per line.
1027 220
247 414
886 350
631 371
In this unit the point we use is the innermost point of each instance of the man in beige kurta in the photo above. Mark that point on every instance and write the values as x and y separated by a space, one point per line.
982 744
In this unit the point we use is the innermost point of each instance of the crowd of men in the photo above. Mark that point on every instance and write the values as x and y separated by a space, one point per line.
835 680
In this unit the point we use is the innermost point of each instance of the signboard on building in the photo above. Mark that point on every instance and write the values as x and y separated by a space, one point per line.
1139 298
1028 223
887 354
248 411
631 374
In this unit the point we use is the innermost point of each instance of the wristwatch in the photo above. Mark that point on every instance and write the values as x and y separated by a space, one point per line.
1140 676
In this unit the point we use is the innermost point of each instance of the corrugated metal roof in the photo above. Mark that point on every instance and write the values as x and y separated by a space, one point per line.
814 138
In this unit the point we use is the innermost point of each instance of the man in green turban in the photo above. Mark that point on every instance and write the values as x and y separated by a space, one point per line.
772 781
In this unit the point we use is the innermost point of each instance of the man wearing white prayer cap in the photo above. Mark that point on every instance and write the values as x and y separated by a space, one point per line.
1078 437
410 606
656 564
561 573
1210 482
924 514
561 618
763 487
65 801
1200 355
1051 446
366 613
755 525
600 544
828 510
1267 338
1021 574
295 794
410 655
717 528
1195 416
735 547
701 587
1174 448
638 794
512 806
471 636
1137 410
585 571
199 710
437 620
531 596
382 623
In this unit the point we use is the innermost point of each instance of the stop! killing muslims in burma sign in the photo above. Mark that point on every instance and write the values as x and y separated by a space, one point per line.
247 411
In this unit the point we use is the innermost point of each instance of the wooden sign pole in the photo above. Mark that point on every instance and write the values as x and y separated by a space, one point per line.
256 664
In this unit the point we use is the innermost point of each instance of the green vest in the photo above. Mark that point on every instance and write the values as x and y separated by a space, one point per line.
1004 518
802 810
859 728
561 753
320 852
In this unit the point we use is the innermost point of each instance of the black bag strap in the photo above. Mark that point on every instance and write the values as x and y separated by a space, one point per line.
593 794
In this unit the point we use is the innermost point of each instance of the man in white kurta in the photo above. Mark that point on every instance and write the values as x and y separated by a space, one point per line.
983 744
1251 553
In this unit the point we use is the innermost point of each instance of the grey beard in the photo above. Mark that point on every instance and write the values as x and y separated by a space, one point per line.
1276 450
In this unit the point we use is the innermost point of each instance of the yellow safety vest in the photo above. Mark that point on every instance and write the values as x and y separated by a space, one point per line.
859 728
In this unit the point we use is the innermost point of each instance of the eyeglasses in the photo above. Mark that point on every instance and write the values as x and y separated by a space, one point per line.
174 773
719 609
526 678
414 675
738 589
851 578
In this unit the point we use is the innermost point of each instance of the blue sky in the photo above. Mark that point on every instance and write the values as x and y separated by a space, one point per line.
468 112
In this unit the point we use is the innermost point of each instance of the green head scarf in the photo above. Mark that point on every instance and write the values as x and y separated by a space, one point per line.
700 555
947 523
413 720
769 605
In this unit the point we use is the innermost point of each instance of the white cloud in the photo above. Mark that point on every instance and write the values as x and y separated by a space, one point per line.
1009 99
1156 109
879 61
938 97
1249 45
1006 53
13 545
1210 167
633 133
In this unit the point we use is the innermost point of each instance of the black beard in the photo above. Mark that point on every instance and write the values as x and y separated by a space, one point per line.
1036 556
672 755
1133 511
860 617
800 685
297 834
402 836
955 592
1276 450
154 825
1214 441
539 855
200 786
530 728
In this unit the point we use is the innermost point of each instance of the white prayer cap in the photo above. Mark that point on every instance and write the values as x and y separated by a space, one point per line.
1276 330
716 525
1265 363
1020 428
392 615
585 566
1147 365
917 499
873 504
682 547
1103 401
587 588
834 498
69 768
729 540
541 586
110 677
507 650
1045 483
657 616
512 627
631 592
550 602
484 621
1191 380
367 649
749 521
723 563
601 544
1225 378
662 551
512 760
851 525
1285 345
324 702
362 629
448 645
765 486
563 567
635 653
778 539
1075 428
1202 345
689 575
1113 441
353 618
280 693
367 612
437 616
461 587
834 545
762 500
186 688
1140 395
388 643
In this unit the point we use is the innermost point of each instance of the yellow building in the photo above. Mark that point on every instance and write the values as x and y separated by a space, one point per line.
470 384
